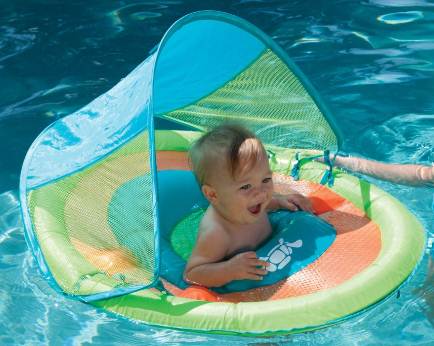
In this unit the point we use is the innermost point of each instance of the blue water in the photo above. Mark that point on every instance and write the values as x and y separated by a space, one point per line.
372 61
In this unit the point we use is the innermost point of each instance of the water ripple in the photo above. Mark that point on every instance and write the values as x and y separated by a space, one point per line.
406 63
381 78
401 3
126 15
403 138
13 43
385 52
400 17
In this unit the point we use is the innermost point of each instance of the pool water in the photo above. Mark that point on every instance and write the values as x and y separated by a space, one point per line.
372 62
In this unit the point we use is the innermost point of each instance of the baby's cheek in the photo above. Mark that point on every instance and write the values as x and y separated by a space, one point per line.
270 192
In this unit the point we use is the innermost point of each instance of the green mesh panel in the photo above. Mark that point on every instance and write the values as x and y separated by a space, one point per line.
268 98
102 219
184 234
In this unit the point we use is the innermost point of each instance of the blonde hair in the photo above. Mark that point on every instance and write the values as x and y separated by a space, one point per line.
232 143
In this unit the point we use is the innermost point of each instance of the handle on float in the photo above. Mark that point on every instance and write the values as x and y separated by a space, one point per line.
327 177
295 171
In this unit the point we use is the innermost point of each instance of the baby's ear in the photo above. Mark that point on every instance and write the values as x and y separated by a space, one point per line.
209 192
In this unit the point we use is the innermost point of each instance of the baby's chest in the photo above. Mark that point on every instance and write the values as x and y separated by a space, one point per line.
250 240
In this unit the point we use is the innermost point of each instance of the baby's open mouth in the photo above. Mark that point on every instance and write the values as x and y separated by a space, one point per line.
255 209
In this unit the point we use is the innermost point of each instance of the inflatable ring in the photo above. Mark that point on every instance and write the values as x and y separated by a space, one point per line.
96 215
377 246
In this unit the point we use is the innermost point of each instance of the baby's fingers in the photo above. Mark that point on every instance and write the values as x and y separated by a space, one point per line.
305 204
290 205
254 277
249 254
260 271
260 263
302 203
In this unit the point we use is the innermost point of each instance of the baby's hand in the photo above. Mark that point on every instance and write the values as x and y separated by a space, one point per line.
294 201
246 265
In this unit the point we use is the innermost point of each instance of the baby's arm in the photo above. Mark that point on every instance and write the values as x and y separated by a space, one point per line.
206 267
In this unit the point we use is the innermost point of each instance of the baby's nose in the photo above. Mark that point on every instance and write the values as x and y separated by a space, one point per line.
261 192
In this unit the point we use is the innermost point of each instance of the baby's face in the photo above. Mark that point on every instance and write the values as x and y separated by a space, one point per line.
244 199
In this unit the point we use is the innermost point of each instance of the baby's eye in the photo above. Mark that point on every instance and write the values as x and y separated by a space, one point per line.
266 180
245 187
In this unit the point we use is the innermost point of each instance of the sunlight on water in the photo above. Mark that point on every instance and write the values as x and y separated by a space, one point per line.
13 43
404 138
125 15
402 3
400 17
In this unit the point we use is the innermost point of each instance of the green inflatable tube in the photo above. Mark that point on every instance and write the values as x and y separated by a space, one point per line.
402 244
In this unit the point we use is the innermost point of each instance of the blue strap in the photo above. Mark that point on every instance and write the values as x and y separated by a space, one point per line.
271 156
295 171
328 177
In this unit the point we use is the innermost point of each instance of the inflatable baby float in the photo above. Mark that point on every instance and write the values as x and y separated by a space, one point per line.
111 207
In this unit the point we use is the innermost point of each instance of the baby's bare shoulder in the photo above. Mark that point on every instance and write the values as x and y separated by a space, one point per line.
210 227
212 233
212 242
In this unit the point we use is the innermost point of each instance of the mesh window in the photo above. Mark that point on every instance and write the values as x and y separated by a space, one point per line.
102 217
268 98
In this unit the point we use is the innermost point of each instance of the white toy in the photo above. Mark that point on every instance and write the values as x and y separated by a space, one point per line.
279 255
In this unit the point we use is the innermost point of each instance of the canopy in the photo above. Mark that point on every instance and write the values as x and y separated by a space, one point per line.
209 67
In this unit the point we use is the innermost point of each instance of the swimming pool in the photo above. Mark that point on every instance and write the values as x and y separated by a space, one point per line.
371 62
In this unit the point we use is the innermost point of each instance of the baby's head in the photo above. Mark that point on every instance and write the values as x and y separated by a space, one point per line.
230 164
228 147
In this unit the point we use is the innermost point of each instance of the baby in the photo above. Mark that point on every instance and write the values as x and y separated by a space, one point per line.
231 165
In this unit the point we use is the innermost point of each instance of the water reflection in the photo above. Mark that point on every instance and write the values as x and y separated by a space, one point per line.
13 43
403 138
401 3
400 17
127 15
